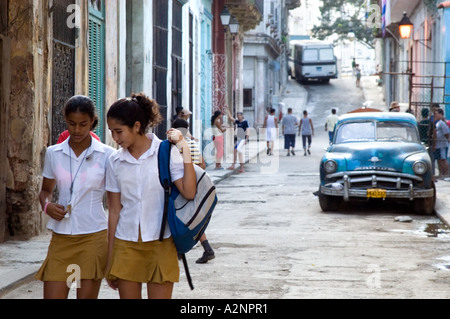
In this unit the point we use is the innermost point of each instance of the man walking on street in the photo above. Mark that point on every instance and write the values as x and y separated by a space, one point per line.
441 146
330 124
306 128
289 122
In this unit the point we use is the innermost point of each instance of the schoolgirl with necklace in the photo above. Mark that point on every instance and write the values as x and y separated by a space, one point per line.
136 200
77 167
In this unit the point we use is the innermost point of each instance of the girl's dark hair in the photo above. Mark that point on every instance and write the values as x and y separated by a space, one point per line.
82 104
137 108
215 116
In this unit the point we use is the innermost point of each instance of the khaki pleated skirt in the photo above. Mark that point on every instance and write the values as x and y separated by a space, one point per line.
145 262
89 252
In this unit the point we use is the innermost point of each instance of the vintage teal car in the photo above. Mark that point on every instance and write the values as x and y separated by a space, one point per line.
377 155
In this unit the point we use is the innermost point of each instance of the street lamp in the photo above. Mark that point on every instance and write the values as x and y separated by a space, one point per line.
405 27
234 26
225 16
351 36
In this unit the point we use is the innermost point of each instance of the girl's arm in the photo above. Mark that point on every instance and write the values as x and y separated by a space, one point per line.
231 119
55 211
187 185
114 208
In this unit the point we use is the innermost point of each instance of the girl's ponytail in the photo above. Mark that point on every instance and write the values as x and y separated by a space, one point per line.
137 108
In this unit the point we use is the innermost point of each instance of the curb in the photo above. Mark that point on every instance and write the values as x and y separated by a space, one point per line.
16 278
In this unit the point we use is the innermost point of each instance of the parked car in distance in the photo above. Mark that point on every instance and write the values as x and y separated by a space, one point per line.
377 155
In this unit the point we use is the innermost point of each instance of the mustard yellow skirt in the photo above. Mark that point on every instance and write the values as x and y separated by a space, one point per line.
145 262
88 251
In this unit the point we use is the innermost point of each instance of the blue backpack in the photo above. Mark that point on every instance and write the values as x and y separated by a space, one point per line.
187 219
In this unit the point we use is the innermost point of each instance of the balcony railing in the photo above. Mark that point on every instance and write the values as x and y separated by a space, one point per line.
249 13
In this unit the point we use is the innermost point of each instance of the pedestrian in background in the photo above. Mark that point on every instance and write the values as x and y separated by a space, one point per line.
358 76
353 66
441 145
218 129
330 124
306 129
289 126
240 138
394 107
427 135
77 167
136 200
178 114
185 114
183 126
271 126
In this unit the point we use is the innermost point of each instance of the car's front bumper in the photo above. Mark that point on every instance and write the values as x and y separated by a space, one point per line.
343 187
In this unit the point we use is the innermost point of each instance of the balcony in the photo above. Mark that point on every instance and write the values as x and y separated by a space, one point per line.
397 8
249 13
292 4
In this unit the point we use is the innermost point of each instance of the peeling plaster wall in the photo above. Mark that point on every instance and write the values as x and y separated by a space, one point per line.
29 105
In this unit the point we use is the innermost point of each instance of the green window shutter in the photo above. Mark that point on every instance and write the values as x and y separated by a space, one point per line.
97 70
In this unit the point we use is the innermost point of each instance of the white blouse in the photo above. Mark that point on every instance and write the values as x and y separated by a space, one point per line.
141 193
61 164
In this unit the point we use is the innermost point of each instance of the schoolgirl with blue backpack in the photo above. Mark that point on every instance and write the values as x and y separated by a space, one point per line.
136 200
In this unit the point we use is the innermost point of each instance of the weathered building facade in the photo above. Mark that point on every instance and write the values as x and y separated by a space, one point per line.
415 71
53 49
176 51
24 104
50 51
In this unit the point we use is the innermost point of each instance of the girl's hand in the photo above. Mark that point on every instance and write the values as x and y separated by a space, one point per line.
56 211
174 136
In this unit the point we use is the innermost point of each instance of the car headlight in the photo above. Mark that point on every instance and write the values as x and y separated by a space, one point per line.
419 167
330 166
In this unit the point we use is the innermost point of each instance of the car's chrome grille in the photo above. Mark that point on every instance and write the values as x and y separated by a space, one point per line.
375 179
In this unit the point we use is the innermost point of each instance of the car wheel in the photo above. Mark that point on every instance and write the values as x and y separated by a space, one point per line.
425 206
329 203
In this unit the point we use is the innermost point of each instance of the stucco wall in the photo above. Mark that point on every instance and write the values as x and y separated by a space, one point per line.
29 104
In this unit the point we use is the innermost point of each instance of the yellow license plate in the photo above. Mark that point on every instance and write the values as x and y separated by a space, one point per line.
376 193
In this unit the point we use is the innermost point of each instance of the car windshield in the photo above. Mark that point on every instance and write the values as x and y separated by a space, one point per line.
376 131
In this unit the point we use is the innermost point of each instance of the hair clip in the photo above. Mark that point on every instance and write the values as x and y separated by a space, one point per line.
133 99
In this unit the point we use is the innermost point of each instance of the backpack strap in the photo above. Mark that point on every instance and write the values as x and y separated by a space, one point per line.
186 270
165 180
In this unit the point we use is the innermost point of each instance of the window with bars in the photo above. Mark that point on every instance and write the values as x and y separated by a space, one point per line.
97 62
160 67
177 56
63 67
